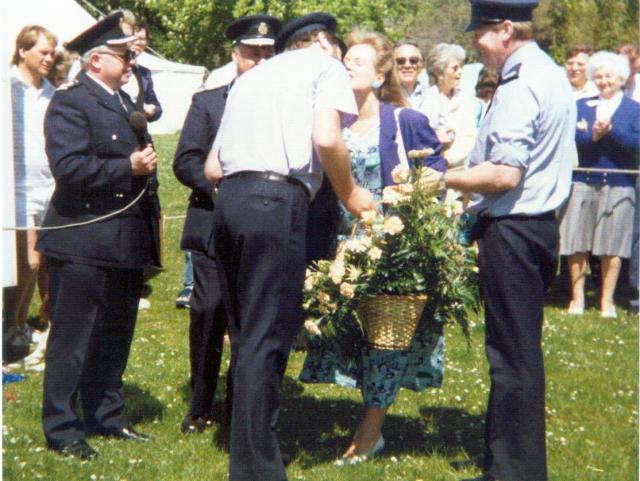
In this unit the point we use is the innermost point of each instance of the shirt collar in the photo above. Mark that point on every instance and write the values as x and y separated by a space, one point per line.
518 56
101 83
17 77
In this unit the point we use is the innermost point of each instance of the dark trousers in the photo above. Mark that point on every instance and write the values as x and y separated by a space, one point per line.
93 313
206 334
259 233
518 259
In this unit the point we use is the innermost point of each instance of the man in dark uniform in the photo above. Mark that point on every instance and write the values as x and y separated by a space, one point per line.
253 37
103 221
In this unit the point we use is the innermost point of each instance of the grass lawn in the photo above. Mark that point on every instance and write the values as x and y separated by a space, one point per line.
592 402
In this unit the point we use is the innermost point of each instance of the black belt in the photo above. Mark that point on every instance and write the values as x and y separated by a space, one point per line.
551 215
273 176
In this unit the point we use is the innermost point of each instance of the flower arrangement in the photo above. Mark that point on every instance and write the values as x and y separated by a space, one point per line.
411 249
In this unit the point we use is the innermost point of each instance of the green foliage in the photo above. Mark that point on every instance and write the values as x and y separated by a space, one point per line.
192 31
603 24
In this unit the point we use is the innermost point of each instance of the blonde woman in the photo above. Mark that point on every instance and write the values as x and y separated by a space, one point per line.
373 150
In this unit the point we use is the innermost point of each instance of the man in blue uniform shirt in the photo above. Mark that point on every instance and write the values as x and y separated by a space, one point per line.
519 174
108 219
253 38
276 116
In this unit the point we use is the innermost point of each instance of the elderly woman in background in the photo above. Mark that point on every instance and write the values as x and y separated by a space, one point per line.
575 63
597 217
448 109
374 153
409 62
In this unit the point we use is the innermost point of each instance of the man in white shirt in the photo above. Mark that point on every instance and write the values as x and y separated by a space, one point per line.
277 115
30 96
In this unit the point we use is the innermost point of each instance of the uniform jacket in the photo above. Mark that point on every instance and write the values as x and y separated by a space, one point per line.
619 149
88 143
150 96
200 128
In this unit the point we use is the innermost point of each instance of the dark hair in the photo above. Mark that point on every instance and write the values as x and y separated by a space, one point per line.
142 24
577 49
487 83
304 39
28 37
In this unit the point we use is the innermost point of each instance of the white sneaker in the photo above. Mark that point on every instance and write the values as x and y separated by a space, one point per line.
143 304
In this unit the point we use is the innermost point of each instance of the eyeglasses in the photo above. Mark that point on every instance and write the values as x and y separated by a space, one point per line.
403 60
126 57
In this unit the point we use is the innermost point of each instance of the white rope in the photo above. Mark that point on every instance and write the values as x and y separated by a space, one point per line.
87 222
607 171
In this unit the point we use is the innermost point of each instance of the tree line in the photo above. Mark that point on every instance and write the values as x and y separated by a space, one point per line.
192 31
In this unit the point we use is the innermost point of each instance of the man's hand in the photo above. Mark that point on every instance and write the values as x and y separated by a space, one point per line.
149 110
431 180
143 162
212 167
360 200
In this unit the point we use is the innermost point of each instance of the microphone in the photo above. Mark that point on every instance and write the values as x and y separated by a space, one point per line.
138 124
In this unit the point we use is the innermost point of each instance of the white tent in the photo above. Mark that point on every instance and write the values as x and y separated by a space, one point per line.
174 83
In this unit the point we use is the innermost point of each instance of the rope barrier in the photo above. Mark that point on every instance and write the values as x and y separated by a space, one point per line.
183 216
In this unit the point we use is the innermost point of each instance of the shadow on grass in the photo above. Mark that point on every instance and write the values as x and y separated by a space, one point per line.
141 406
316 430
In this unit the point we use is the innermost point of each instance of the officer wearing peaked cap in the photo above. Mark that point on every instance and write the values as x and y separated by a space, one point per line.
253 38
277 115
519 174
95 262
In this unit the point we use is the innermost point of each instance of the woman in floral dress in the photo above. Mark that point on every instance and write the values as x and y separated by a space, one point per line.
373 142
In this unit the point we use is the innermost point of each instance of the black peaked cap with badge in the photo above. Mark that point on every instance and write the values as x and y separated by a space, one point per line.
306 23
105 32
487 12
254 30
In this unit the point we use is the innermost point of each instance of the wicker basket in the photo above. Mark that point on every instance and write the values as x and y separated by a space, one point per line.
390 321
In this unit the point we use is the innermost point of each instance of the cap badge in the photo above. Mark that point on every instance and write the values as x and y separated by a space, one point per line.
263 28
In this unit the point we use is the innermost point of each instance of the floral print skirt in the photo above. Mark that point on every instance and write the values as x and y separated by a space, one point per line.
378 373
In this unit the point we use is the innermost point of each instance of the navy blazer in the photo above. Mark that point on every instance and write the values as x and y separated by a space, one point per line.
88 143
150 96
198 132
619 149
416 134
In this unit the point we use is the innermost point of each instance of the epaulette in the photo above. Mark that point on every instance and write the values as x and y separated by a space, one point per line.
68 85
512 74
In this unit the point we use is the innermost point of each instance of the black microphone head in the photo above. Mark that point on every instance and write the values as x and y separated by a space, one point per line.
138 122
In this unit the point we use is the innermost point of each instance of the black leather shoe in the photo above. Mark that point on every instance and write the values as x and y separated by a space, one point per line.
194 424
127 433
78 449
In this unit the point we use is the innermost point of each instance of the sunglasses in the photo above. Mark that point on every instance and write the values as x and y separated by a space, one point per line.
404 60
126 57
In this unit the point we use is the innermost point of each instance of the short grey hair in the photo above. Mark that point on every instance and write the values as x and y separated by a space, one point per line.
441 56
617 63
84 60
